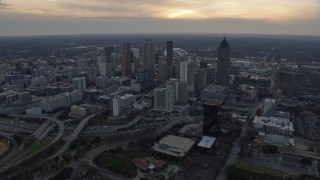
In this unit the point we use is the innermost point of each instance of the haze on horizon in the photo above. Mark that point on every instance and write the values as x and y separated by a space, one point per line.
46 17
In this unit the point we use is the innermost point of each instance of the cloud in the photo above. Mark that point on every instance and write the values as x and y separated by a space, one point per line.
266 10
4 5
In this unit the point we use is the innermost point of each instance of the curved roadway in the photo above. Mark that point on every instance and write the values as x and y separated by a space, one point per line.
61 130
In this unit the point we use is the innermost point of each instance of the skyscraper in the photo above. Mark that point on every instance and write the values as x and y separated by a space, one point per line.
149 57
187 74
223 64
79 84
180 90
101 63
163 72
169 53
108 59
126 69
290 82
164 99
201 79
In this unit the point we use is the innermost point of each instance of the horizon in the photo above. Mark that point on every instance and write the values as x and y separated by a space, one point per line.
57 17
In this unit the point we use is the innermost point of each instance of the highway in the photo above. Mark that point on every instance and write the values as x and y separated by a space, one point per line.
59 135
133 122
13 148
72 137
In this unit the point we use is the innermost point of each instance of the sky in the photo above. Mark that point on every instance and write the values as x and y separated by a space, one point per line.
54 17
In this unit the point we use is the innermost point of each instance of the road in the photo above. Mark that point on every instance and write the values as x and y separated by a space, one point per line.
236 146
133 122
59 135
13 148
72 137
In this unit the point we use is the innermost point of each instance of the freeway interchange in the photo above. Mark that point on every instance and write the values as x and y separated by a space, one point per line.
56 130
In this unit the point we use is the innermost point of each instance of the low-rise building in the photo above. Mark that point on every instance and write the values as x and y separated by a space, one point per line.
61 100
275 125
214 92
120 103
34 111
174 146
77 111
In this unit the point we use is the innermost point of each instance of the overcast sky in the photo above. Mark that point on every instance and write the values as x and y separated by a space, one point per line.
42 17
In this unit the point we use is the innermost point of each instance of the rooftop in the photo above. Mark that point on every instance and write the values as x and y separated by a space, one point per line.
207 141
174 145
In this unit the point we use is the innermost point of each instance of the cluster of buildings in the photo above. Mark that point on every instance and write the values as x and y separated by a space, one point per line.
274 127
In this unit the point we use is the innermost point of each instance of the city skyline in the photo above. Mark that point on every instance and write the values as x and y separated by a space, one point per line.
107 17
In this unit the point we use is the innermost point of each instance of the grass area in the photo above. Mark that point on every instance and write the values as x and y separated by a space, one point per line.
119 161
3 147
245 170
64 174
291 159
38 145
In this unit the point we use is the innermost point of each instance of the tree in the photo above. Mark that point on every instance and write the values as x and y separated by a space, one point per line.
57 158
96 140
73 145
259 112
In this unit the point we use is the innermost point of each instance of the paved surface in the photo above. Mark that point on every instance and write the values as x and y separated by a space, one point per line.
13 148
72 137
60 133
236 147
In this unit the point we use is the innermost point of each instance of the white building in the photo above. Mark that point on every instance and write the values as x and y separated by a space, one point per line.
135 52
119 103
164 99
276 125
61 100
180 90
187 74
79 84
102 65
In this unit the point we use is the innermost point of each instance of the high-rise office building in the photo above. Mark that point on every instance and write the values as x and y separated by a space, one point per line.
163 72
203 64
290 82
126 69
169 52
101 63
180 90
210 75
210 116
79 84
149 57
187 74
223 64
164 99
201 79
108 60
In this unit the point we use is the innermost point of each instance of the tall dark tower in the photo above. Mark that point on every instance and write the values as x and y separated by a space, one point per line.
169 53
126 60
149 57
108 52
223 64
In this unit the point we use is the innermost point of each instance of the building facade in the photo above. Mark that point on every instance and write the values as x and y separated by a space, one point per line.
223 64
149 57
164 99
79 84
126 68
